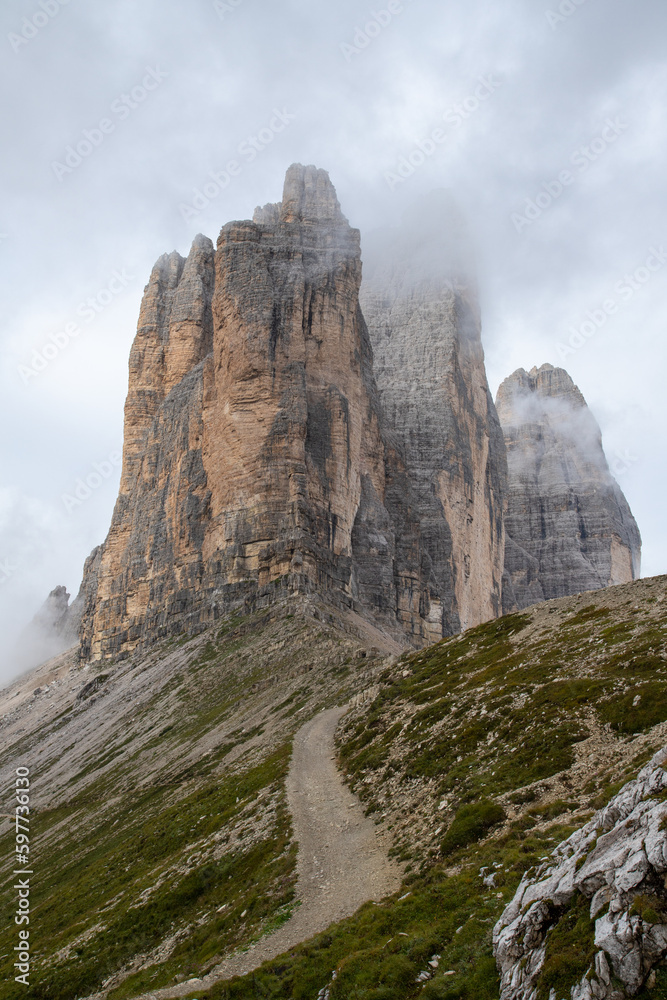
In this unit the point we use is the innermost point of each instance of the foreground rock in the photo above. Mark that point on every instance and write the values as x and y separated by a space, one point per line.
617 862
568 525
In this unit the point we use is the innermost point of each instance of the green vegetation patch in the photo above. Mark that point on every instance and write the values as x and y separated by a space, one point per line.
97 879
471 823
379 952
643 707
650 908
570 950
657 992
502 707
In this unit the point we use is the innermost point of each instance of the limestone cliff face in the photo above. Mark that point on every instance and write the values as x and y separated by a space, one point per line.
274 440
429 365
152 557
254 447
569 526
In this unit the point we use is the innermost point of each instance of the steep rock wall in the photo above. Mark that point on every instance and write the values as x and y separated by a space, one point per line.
254 448
569 526
425 330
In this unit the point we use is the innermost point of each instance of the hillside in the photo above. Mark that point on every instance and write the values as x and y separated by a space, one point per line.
162 841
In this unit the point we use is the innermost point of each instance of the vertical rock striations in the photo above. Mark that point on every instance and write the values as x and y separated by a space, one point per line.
254 448
429 365
260 453
152 558
292 397
569 526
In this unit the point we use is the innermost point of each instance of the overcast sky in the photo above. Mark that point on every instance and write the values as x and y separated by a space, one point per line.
552 139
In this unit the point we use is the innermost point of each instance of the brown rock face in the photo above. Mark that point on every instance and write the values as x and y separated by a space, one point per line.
152 556
569 526
429 365
254 447
261 454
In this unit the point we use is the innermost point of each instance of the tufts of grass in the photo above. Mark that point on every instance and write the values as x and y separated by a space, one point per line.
95 879
380 951
471 823
570 949
643 707
650 908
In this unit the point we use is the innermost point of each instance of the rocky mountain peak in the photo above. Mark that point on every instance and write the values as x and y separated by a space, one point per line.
569 527
308 197
256 454
524 393
53 609
288 428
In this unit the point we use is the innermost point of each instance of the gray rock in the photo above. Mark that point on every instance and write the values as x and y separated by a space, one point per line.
616 859
423 318
568 525
52 630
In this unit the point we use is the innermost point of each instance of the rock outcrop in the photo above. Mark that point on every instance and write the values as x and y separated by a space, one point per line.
255 452
424 323
53 629
569 527
615 865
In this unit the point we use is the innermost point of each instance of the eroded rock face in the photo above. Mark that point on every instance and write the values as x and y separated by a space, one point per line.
266 448
424 324
255 451
618 862
569 527
152 557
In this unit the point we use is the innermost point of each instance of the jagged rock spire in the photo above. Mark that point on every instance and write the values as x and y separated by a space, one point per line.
569 527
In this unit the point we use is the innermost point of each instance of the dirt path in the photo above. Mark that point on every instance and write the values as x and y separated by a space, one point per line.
342 859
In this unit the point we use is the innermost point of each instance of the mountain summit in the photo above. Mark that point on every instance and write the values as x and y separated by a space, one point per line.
569 527
267 451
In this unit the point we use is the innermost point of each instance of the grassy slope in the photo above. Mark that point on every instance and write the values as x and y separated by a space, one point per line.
168 843
528 723
482 752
